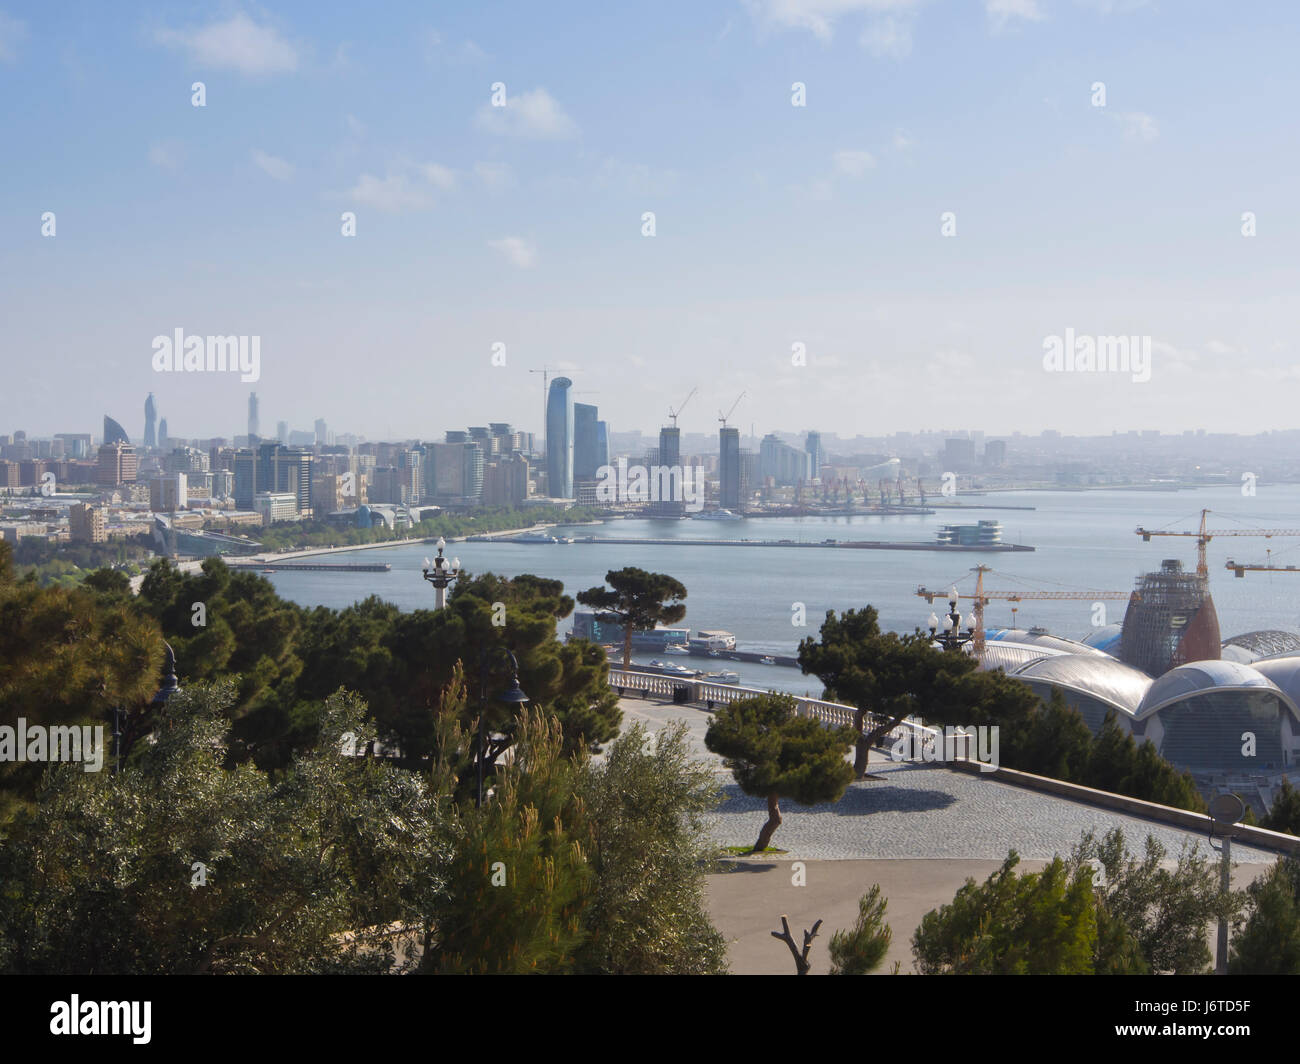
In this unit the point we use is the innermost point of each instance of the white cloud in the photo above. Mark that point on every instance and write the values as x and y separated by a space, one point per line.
818 16
405 188
902 141
12 33
165 156
494 175
238 43
437 50
534 115
272 166
439 176
1138 126
518 252
394 193
355 126
888 37
637 178
853 163
1002 11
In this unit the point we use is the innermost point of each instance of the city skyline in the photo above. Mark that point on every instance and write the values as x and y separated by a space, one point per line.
798 252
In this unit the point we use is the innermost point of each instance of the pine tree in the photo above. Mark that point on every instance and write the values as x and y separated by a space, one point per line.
860 950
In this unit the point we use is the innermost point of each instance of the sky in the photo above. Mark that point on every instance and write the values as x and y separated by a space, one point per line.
798 255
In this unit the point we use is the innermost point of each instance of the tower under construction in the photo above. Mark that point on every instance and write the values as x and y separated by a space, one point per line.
1170 621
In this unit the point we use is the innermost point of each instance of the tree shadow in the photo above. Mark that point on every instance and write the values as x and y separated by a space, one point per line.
879 797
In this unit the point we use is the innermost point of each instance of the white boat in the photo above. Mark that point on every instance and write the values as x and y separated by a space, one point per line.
674 648
673 669
726 676
768 660
718 515
532 537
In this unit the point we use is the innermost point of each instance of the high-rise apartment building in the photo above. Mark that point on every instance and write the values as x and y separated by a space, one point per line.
816 457
116 463
150 422
87 524
169 493
252 417
585 442
785 465
729 468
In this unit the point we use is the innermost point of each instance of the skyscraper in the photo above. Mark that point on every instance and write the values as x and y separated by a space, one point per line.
559 439
150 420
602 444
585 461
282 432
252 416
670 455
113 432
816 457
322 432
729 468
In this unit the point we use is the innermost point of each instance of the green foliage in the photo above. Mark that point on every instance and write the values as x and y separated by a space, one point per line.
1166 911
520 879
860 950
303 874
68 657
69 564
1038 923
648 848
639 600
1267 942
772 751
1285 812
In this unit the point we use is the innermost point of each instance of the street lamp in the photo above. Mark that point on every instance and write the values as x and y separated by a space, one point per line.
441 573
511 696
170 685
953 638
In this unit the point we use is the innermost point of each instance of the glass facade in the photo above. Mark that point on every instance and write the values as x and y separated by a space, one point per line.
559 439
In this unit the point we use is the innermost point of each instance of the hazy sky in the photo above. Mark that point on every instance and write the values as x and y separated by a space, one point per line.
774 224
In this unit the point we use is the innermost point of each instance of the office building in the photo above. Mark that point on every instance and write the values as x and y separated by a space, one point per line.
781 463
169 493
282 432
252 418
454 473
958 456
559 439
585 452
505 480
275 506
995 454
816 457
113 432
322 432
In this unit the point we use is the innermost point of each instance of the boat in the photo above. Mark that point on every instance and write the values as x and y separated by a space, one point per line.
768 660
714 654
726 676
673 669
268 570
718 515
532 537
675 648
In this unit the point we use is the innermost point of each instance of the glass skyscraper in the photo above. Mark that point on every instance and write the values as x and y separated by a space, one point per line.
585 442
559 439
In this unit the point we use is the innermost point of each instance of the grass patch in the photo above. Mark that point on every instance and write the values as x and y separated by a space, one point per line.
741 851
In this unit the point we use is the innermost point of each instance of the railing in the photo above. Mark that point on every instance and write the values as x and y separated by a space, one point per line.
648 684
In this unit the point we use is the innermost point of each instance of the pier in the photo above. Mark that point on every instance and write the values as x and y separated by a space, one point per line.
856 544
326 567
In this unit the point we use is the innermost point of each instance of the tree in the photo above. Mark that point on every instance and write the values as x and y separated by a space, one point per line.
773 753
648 848
801 962
1268 941
1165 910
178 865
519 882
860 950
1037 923
889 677
639 600
1285 813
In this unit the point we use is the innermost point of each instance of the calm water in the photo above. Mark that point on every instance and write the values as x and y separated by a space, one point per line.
1084 541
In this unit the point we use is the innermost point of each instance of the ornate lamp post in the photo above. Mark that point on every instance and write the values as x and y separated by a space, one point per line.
513 696
170 685
441 574
953 638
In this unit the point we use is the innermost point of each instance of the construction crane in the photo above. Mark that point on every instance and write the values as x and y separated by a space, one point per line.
1204 535
723 417
982 597
673 413
545 371
1241 568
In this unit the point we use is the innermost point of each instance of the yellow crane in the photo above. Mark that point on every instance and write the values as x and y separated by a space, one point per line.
1242 568
982 597
1204 535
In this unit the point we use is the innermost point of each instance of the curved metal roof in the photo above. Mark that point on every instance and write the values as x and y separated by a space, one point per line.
1106 638
1095 675
1283 671
1198 677
1038 639
1267 642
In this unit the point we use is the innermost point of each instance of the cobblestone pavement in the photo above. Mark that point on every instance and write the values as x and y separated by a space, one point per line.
916 811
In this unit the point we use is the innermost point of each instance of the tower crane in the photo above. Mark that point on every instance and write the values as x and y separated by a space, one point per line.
1204 535
723 417
673 413
982 597
1241 568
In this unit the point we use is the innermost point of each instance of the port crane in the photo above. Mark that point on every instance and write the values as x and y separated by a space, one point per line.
982 597
673 413
1204 535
